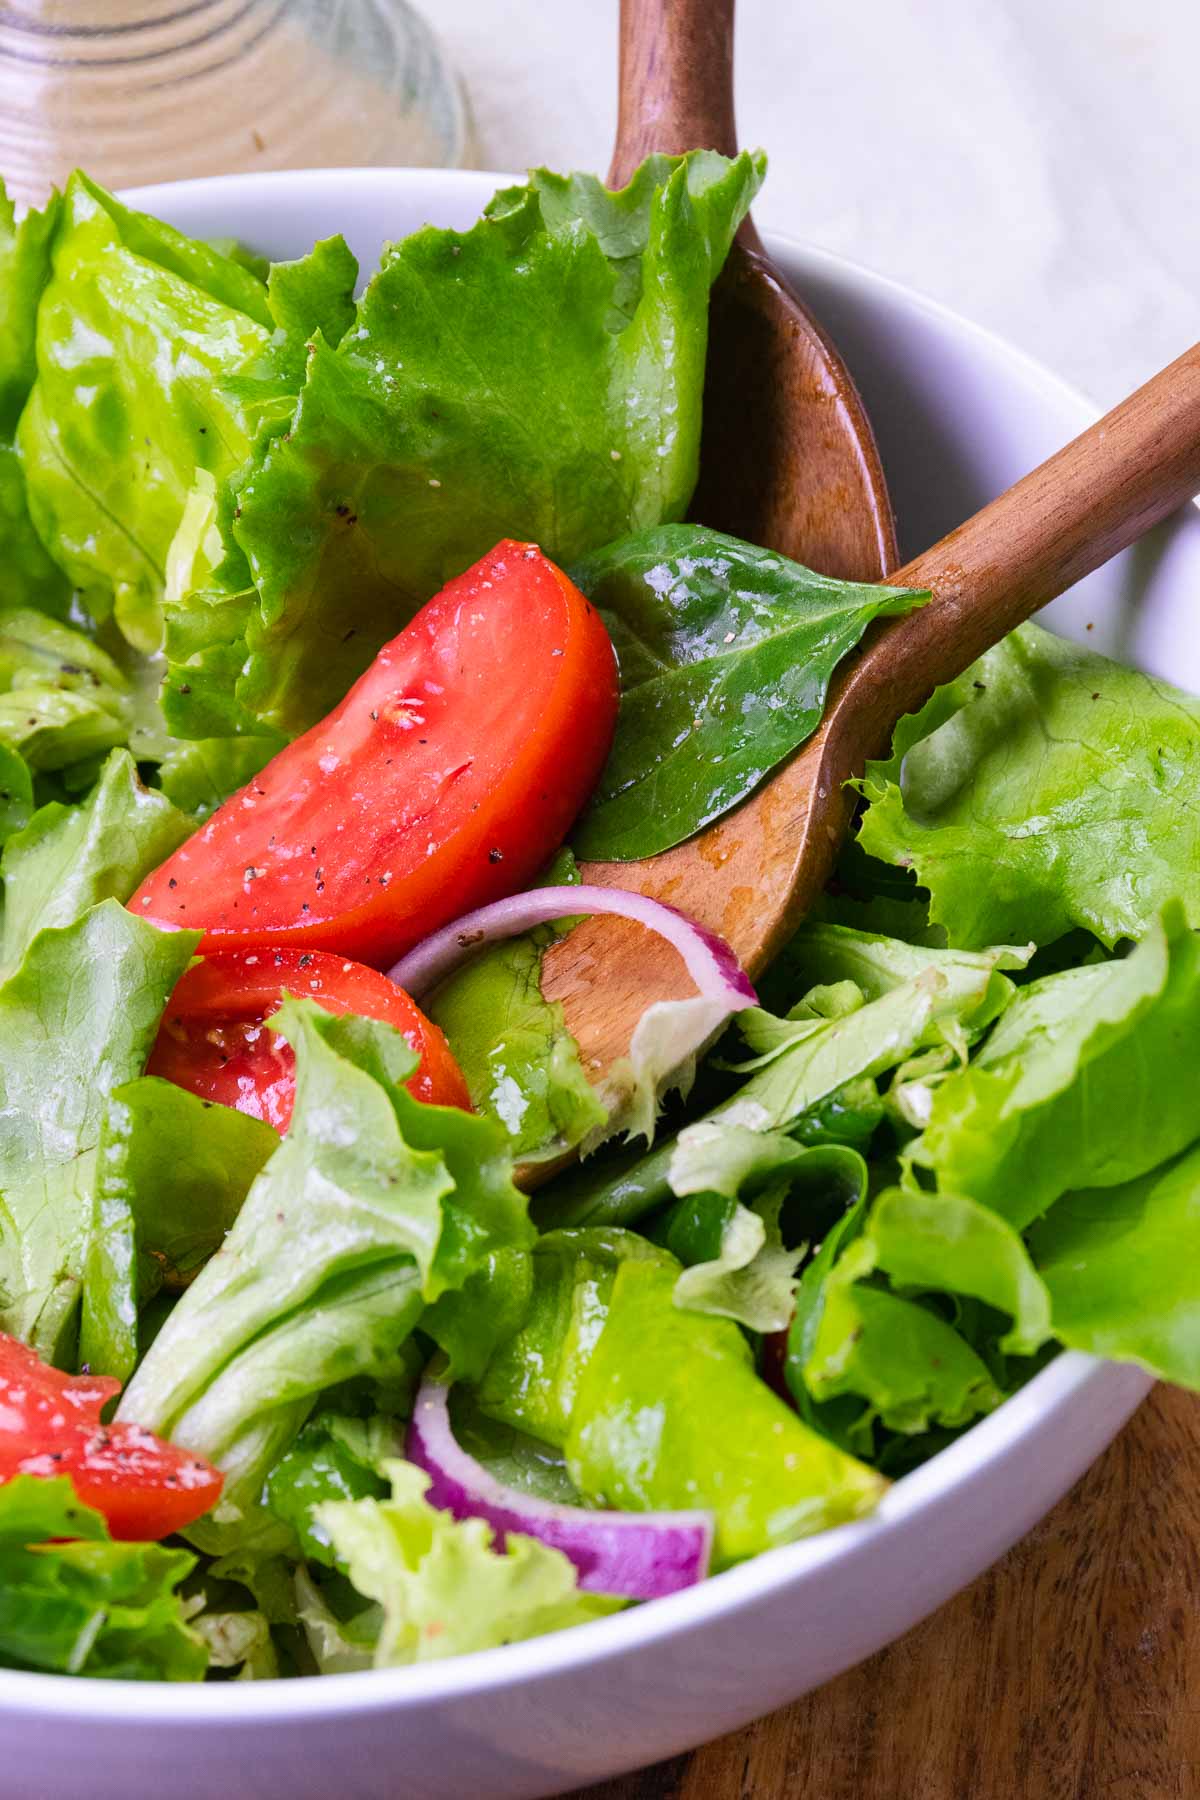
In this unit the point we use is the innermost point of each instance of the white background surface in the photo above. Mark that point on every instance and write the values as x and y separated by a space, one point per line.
1031 162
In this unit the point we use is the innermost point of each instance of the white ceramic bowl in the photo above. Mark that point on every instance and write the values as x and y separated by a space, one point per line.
959 415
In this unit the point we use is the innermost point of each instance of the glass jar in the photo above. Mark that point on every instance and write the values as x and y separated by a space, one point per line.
155 90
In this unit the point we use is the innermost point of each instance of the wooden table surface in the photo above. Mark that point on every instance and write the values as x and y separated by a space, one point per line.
1070 1671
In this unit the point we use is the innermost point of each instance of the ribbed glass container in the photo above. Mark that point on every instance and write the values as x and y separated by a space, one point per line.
155 90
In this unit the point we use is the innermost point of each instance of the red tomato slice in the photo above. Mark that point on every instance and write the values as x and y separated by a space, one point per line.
212 1039
50 1425
447 777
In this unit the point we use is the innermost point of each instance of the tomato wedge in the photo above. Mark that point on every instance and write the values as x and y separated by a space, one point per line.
447 777
50 1425
212 1039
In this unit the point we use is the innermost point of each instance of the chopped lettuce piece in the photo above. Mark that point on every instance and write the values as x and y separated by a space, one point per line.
520 1062
532 1380
16 792
30 577
158 361
77 1018
538 376
944 1243
330 1460
911 1368
153 360
726 652
977 991
88 1606
670 1413
802 1064
788 1190
1120 1267
1083 1083
442 1588
1046 788
69 858
372 1205
62 698
171 1173
752 1276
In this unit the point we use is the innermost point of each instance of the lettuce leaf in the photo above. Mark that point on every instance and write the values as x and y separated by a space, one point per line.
532 1381
1044 789
769 1196
912 1369
442 1588
371 1206
726 652
977 986
333 1458
171 1173
538 376
670 1413
658 1407
944 1243
77 1018
520 1062
87 1606
153 360
69 858
1083 1083
62 698
802 1064
30 577
1119 1264
196 777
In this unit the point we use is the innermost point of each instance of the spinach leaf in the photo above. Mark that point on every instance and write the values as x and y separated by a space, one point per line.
726 652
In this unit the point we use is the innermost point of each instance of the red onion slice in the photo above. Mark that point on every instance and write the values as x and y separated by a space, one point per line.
710 962
639 1555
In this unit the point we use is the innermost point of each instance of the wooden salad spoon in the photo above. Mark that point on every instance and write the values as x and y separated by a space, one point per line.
753 874
788 458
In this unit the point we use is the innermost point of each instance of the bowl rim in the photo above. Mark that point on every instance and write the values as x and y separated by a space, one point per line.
1063 1383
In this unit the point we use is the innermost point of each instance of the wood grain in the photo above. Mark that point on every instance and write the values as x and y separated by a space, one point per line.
1070 1671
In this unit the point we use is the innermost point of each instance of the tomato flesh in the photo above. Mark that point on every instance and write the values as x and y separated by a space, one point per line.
50 1425
446 778
213 1040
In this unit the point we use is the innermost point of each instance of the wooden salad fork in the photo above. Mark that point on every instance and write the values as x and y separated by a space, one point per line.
753 874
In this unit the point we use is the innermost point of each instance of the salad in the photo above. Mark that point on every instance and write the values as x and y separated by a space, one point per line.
346 1318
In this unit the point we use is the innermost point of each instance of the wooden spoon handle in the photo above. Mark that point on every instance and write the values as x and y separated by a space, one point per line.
676 78
1088 502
